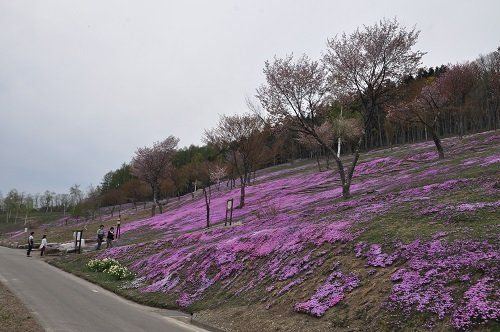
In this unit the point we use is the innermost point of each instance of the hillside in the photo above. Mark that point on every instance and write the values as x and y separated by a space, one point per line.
416 247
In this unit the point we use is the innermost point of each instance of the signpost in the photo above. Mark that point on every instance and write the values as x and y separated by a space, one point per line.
229 210
118 227
78 240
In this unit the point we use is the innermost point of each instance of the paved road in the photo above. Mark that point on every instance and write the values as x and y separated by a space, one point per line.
63 302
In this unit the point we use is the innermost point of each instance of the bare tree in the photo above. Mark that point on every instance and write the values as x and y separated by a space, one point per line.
65 202
12 202
93 200
47 199
151 164
135 190
490 78
76 195
456 85
27 206
425 110
241 138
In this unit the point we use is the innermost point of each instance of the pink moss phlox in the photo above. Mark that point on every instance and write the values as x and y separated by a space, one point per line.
423 156
293 212
374 254
329 294
185 300
449 210
435 187
480 305
376 165
290 285
469 207
360 249
434 270
13 235
490 160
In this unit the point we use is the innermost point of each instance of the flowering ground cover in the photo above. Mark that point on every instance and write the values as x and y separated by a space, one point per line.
416 247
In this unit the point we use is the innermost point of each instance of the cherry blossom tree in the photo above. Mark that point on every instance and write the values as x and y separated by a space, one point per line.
296 93
217 172
369 62
151 164
240 138
325 133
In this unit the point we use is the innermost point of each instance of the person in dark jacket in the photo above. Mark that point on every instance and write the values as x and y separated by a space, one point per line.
31 242
110 238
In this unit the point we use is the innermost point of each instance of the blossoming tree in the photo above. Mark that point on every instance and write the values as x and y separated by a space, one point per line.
151 164
241 138
296 92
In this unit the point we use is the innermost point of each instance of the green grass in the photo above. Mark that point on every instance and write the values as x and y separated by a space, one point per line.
401 223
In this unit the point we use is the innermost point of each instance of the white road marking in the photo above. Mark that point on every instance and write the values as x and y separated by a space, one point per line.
95 291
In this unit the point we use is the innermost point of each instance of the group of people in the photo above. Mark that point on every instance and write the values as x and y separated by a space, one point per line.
109 237
100 238
31 243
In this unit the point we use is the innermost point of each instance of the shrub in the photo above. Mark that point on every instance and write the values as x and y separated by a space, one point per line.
99 265
110 267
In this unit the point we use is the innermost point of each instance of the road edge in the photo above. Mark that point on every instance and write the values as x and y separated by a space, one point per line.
187 319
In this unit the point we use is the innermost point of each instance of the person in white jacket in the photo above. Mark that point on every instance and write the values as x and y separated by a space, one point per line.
43 245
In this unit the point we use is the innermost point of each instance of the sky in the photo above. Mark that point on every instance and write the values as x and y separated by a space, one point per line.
84 83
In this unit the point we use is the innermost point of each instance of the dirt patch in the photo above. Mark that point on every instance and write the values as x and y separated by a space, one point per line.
14 316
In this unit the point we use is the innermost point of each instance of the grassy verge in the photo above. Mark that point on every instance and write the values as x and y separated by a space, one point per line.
75 264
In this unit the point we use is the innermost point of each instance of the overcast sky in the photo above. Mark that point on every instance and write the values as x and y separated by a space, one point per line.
84 83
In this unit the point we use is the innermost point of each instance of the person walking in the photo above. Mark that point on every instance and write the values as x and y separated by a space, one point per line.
43 245
110 238
31 242
100 236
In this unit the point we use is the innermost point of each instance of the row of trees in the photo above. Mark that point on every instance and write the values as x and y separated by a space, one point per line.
368 90
19 206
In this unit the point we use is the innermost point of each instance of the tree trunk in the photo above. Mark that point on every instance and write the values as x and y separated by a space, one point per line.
344 183
461 126
347 186
153 207
318 162
437 142
242 195
207 195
